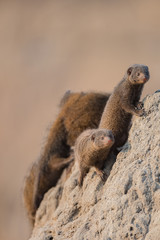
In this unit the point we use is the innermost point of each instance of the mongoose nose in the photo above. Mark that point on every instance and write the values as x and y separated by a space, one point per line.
109 139
145 79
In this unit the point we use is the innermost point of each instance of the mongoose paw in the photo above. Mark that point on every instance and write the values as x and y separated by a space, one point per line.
103 176
76 182
140 112
80 182
140 105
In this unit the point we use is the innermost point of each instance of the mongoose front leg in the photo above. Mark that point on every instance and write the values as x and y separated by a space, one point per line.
101 173
82 174
58 163
132 109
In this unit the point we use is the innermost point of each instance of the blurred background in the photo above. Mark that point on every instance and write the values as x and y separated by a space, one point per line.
48 47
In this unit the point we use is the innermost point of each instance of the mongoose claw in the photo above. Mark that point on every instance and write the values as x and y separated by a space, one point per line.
140 105
142 112
103 176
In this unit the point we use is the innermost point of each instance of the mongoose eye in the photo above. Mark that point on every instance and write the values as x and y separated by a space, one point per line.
93 137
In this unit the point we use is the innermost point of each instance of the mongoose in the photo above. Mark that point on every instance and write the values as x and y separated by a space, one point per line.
78 112
91 149
124 102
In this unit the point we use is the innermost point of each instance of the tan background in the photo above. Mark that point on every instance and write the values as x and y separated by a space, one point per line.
48 47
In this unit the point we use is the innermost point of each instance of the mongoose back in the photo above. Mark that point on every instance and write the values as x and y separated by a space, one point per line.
78 112
124 102
91 149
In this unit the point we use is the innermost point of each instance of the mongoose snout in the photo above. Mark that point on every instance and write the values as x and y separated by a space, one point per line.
103 139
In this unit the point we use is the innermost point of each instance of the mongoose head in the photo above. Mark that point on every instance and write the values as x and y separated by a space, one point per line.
102 138
138 74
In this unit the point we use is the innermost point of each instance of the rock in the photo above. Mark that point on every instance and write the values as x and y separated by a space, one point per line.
127 206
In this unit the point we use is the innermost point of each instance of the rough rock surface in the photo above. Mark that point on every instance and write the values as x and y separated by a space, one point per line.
127 206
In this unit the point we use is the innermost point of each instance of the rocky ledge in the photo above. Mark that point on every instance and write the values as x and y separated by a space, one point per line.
127 206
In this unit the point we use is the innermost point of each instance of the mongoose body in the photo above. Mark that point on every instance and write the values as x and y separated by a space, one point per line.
124 102
91 149
78 111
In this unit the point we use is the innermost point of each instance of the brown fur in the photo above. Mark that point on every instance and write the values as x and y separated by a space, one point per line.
124 102
79 111
91 149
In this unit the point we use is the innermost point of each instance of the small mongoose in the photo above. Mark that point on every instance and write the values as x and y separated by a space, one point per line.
91 149
124 102
78 112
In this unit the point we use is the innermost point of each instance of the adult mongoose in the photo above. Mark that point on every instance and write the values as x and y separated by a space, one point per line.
78 112
91 149
124 102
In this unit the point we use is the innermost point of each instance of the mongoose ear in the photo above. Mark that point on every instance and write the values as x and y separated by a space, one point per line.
129 70
93 137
